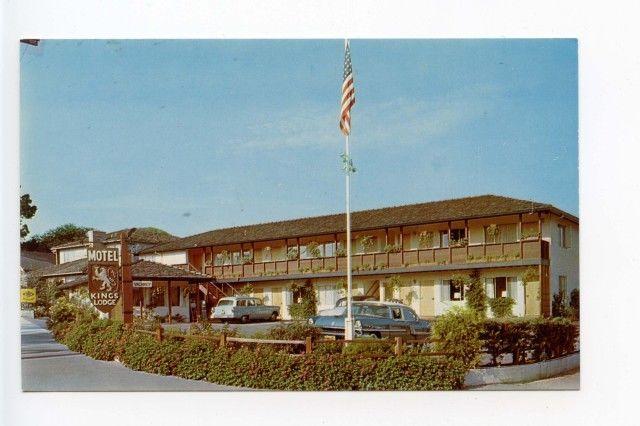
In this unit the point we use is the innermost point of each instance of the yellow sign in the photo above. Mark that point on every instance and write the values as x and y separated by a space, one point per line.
28 295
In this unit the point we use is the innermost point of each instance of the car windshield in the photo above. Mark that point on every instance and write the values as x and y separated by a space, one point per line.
371 310
227 302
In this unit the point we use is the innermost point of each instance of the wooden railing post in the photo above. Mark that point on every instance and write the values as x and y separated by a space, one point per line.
308 345
223 339
398 348
160 333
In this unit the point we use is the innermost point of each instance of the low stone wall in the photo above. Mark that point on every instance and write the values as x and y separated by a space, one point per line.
522 373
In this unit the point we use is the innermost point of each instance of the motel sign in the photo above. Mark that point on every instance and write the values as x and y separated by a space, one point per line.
104 278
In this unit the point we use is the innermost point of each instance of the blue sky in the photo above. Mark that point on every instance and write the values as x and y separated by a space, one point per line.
194 135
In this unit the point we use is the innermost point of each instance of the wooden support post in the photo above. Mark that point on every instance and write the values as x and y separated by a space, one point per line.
160 333
539 226
169 299
127 284
308 345
402 246
198 302
449 241
223 339
520 235
253 259
398 348
466 235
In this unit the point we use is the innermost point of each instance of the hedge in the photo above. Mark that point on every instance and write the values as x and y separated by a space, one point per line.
262 368
530 340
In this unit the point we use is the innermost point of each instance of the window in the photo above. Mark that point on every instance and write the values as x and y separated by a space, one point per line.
562 287
157 297
241 303
329 249
456 290
225 302
457 234
174 296
563 236
266 254
501 287
408 315
396 314
444 238
138 296
251 302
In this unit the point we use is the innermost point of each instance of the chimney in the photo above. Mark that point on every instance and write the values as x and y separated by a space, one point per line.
95 236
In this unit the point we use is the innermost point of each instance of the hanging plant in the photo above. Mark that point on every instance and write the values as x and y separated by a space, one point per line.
367 242
313 249
425 239
392 248
292 253
493 231
226 256
341 251
247 258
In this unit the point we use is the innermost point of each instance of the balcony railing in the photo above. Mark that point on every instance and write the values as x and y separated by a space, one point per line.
482 253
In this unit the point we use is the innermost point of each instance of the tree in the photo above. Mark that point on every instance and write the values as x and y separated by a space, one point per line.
62 234
475 294
27 211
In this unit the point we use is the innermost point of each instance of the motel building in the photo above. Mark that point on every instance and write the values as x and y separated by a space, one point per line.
169 291
522 249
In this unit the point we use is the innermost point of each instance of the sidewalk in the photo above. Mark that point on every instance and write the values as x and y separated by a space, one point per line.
50 366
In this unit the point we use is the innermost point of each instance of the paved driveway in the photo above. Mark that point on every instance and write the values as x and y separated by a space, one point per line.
566 382
51 366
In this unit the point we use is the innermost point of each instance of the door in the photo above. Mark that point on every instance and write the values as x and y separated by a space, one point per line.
532 299
427 302
276 296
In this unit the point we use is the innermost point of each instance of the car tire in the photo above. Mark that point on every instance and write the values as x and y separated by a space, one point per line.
244 319
373 335
273 317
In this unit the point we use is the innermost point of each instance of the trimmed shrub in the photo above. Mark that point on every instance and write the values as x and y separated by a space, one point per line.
457 332
539 338
475 295
381 347
501 307
265 368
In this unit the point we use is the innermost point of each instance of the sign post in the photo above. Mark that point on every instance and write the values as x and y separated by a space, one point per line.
104 284
127 284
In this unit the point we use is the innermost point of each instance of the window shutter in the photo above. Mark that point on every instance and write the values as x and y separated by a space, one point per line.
444 290
489 287
512 287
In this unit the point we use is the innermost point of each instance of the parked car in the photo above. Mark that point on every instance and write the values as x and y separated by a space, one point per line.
343 300
245 309
374 319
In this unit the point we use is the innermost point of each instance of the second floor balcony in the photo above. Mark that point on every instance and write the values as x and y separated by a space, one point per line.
523 252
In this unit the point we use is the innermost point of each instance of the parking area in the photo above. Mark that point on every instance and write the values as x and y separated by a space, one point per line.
244 329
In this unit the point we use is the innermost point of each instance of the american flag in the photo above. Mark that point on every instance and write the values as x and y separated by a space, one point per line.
348 93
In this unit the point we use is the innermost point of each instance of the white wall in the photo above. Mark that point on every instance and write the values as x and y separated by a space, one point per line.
71 254
563 261
167 258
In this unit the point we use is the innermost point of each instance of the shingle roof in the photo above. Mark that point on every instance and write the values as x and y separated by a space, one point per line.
69 268
144 270
146 235
413 214
35 260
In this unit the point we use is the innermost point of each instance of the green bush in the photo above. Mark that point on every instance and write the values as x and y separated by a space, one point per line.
475 294
501 307
380 347
457 332
540 338
65 311
265 368
574 304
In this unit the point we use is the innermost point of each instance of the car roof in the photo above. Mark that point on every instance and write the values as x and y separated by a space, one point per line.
237 297
378 303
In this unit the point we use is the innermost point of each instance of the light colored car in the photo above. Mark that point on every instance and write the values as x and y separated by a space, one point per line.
245 309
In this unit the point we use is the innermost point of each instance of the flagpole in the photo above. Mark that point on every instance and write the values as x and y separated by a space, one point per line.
348 326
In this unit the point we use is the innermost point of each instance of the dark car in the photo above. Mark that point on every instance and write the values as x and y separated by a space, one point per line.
374 319
343 300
